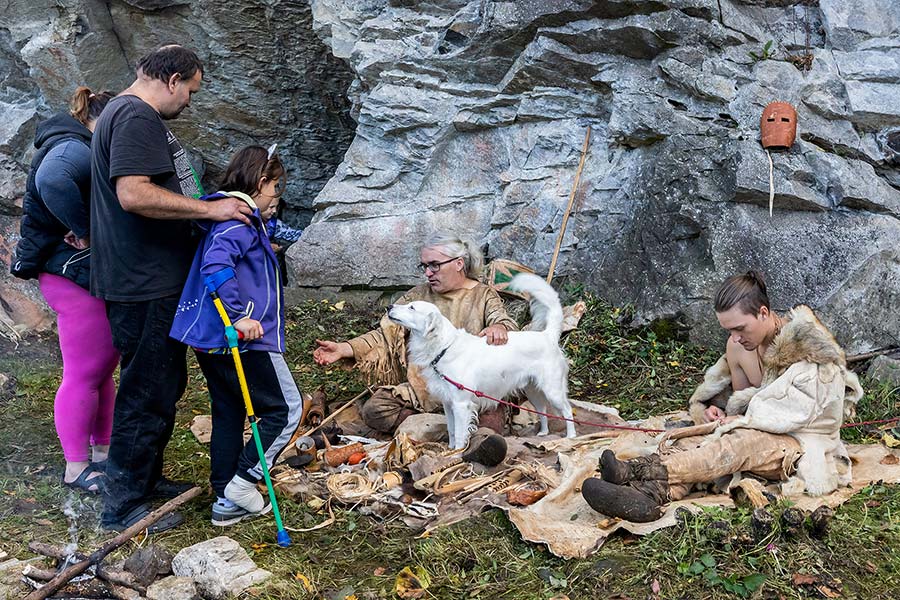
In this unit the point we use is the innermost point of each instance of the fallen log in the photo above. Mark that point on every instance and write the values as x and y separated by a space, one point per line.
96 556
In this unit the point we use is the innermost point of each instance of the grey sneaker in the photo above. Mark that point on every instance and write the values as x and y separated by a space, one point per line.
224 516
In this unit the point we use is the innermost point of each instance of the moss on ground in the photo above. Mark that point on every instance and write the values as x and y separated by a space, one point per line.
709 555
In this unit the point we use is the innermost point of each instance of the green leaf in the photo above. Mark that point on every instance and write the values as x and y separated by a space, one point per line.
707 560
752 582
558 582
696 568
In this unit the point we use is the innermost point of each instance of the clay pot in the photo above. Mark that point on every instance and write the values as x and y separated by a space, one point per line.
526 495
778 126
338 456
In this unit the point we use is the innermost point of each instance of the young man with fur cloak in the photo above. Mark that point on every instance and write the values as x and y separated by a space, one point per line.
771 406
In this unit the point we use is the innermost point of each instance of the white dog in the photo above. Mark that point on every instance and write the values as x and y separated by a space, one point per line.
531 360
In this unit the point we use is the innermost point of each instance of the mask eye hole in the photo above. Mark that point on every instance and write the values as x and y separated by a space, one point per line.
785 120
770 119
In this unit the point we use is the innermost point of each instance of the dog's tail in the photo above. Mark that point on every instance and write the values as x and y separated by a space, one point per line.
546 311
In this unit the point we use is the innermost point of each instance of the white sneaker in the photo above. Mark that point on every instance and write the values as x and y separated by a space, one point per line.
244 494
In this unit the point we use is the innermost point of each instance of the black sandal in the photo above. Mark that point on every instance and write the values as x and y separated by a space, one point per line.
85 482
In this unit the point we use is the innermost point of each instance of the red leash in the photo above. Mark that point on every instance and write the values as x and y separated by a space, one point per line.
478 394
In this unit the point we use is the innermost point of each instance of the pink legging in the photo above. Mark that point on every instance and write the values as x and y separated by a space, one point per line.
83 410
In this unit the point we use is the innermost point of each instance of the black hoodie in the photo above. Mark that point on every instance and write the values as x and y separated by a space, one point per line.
42 249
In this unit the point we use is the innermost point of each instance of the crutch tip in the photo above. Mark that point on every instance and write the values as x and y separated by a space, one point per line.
284 540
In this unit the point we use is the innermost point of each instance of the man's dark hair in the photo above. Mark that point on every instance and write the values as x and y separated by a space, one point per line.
165 61
748 291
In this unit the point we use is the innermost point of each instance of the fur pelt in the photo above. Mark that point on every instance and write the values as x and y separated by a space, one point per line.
806 392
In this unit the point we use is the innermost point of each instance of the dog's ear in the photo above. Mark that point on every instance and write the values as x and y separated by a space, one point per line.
431 323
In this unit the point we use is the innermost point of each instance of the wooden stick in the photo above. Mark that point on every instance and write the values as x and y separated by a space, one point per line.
51 551
98 555
868 355
565 221
103 572
331 417
38 573
122 578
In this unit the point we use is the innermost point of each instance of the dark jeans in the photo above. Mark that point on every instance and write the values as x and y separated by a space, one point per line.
152 379
277 405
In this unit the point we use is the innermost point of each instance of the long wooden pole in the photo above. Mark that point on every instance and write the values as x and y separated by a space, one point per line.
80 567
565 221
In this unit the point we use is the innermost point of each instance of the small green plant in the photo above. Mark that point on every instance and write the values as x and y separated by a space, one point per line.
706 565
767 52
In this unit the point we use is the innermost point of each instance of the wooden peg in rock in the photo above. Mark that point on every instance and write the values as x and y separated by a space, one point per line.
792 521
819 519
761 524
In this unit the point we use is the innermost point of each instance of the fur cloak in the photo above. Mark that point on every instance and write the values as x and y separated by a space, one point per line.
806 392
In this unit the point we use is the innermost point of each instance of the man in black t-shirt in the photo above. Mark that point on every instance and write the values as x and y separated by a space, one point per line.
143 195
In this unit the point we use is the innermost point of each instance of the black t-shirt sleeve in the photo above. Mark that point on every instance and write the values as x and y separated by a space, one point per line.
139 146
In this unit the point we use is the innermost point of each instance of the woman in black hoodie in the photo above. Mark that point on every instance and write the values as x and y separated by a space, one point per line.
55 249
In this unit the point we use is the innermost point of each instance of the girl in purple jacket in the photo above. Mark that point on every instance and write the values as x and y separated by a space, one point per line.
239 259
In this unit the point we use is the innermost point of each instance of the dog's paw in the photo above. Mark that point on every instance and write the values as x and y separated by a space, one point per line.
543 432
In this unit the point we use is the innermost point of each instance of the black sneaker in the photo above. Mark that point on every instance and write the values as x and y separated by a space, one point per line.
166 488
168 521
223 516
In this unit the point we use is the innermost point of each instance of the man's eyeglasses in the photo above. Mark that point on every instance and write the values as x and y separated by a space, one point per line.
435 266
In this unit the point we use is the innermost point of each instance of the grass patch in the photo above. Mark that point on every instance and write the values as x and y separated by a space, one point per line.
709 555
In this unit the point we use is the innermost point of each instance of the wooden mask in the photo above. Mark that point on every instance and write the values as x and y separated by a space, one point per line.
778 126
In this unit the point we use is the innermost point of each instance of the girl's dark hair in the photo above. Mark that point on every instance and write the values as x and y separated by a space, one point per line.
248 166
748 291
165 61
86 106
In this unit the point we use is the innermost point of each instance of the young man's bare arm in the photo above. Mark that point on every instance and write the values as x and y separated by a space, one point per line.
742 364
137 194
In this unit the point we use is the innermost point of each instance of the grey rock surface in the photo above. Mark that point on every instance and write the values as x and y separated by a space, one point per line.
173 588
219 567
398 118
269 78
471 117
885 370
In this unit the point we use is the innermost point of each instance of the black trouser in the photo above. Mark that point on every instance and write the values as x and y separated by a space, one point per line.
276 402
152 379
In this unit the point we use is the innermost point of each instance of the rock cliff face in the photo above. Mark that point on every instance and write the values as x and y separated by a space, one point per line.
268 78
471 116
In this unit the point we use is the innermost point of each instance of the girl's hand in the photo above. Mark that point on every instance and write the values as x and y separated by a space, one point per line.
329 352
77 242
250 328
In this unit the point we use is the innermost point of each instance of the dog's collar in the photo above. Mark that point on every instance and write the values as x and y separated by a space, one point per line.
438 358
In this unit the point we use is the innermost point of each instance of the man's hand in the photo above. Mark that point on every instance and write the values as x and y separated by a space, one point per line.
496 335
250 328
713 413
329 352
228 209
